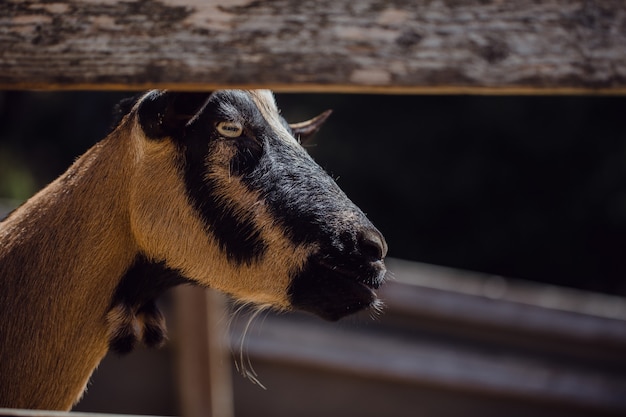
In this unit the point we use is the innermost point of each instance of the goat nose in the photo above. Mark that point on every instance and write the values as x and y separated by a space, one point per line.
372 244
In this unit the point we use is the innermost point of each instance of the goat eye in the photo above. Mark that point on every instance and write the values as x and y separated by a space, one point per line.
229 129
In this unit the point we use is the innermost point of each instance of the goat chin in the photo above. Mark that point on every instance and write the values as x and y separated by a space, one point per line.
208 189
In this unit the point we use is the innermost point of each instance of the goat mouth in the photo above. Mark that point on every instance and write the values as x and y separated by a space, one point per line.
334 290
356 275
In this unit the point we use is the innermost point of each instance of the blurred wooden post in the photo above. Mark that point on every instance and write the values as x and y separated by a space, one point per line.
202 353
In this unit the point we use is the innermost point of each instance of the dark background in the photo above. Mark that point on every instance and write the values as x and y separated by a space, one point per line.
524 187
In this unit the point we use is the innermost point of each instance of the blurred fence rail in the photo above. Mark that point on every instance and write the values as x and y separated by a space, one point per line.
476 46
449 343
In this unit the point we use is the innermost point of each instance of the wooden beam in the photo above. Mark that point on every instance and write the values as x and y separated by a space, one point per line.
473 46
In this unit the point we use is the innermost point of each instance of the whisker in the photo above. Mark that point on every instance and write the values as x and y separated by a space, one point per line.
243 364
376 309
233 317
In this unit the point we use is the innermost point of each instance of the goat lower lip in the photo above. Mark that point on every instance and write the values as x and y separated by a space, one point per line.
347 273
333 290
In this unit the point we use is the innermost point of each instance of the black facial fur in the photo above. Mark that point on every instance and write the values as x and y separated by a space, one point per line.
122 108
134 300
302 199
164 114
238 236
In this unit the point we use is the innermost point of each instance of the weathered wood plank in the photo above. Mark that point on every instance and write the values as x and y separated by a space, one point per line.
445 46
14 412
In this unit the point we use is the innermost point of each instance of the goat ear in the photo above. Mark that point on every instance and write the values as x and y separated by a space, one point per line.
304 131
165 113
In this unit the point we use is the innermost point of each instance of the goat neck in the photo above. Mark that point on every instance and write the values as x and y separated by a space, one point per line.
82 217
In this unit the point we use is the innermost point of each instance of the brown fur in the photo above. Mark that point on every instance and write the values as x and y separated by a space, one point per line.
81 217
66 252
66 249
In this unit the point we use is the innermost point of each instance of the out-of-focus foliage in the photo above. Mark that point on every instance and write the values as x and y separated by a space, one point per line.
528 187
41 134
16 180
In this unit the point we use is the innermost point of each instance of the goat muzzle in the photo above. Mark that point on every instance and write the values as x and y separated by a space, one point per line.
335 284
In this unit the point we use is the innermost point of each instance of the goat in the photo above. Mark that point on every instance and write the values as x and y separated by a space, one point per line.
211 189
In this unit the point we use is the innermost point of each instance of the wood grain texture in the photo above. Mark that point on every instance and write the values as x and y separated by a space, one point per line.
395 46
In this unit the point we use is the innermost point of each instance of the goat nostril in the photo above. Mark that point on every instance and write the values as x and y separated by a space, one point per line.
372 244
